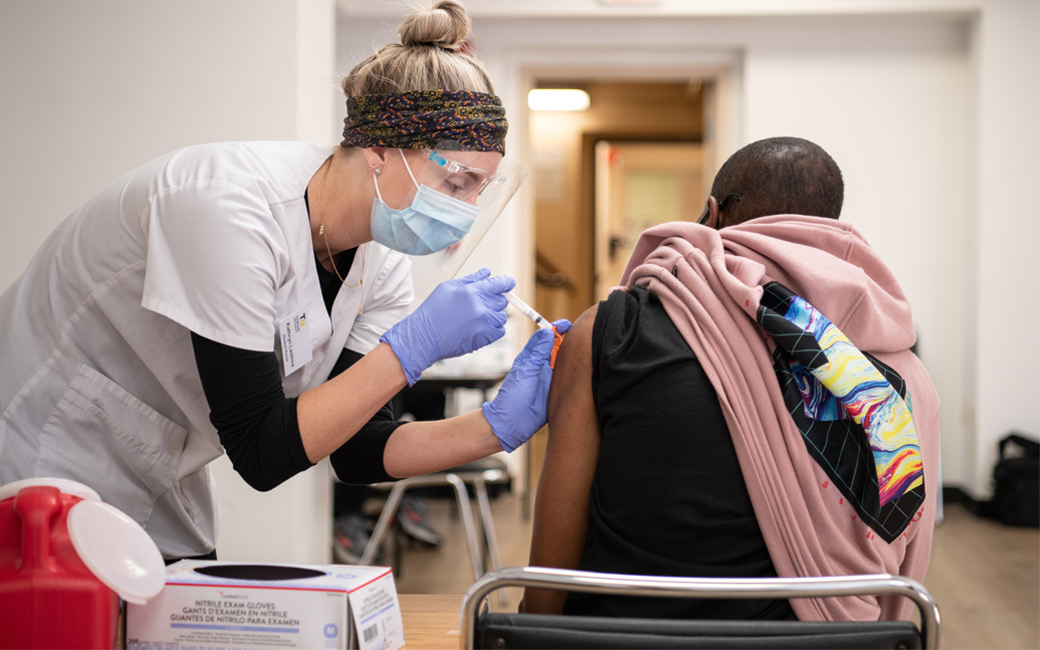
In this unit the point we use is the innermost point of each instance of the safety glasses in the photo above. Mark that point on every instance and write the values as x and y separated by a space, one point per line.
461 181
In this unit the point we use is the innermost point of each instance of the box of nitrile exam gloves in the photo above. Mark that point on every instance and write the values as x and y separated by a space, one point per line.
222 605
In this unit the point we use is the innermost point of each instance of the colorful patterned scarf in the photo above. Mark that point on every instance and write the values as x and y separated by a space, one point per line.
853 411
421 119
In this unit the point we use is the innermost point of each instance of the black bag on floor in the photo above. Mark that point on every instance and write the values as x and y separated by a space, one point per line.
1016 499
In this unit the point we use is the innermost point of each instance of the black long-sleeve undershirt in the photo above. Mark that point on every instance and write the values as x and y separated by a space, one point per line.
258 425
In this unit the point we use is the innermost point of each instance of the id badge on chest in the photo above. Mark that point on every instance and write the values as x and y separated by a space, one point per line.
296 342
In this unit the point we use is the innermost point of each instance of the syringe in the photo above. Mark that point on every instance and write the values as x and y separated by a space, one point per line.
526 310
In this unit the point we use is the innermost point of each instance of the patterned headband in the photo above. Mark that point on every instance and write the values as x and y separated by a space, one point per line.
423 118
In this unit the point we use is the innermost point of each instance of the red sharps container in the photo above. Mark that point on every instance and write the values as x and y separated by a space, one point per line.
65 560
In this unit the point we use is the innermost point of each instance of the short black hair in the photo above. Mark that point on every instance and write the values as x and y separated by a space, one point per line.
782 175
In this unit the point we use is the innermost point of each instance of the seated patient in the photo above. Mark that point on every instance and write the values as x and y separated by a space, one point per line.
745 404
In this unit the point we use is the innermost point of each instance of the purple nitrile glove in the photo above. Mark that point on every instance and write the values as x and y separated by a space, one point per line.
458 317
519 408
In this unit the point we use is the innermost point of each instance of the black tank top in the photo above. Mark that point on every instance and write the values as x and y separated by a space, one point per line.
668 497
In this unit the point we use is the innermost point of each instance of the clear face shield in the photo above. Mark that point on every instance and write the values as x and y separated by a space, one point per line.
484 181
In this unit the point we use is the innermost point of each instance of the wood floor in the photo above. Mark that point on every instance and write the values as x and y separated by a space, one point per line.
985 576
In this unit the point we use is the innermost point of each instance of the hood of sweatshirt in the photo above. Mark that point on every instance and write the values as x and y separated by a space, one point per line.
825 261
831 265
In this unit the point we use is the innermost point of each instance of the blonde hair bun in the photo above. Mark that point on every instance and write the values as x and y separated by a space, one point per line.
428 57
445 24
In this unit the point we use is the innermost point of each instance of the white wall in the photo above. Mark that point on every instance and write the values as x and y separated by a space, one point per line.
92 89
1006 231
929 106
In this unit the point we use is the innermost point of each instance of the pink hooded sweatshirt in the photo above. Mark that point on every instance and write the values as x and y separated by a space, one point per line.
711 284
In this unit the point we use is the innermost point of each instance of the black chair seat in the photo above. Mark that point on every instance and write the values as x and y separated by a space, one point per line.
501 630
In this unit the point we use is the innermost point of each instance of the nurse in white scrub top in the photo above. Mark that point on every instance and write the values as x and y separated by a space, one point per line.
252 298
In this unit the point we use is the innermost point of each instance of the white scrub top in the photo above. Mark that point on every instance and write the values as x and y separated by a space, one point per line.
98 381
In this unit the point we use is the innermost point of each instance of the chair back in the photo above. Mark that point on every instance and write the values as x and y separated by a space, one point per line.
501 630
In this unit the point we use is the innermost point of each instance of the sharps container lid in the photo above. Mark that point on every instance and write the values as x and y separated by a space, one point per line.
67 486
117 551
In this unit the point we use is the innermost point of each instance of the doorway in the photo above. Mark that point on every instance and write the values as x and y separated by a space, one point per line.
635 156
640 184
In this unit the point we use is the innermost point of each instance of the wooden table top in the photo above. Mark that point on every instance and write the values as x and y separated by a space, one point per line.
431 621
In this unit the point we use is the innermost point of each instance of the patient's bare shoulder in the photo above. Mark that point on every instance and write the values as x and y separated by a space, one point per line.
574 360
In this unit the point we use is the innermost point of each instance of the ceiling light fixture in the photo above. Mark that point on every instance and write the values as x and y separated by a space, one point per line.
557 99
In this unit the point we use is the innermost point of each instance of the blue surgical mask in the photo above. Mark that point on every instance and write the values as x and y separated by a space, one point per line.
431 223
